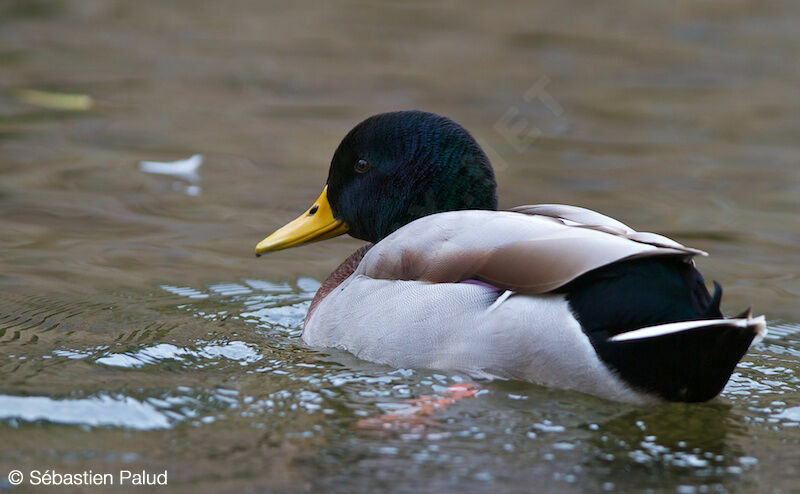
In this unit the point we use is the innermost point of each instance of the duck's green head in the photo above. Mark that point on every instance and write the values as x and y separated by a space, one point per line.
391 169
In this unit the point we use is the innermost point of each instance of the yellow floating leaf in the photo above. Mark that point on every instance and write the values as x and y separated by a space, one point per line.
55 101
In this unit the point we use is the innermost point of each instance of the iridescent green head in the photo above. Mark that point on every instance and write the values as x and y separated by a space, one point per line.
396 167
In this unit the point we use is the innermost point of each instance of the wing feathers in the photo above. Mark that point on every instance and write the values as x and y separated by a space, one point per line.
530 253
586 218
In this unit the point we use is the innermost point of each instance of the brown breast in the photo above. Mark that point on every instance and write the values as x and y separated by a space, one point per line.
340 274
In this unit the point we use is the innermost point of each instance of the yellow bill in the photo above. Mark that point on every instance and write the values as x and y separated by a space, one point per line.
315 224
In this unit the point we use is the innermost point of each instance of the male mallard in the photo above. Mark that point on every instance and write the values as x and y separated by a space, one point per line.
557 295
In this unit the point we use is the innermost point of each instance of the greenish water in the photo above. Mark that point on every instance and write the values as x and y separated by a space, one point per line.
137 331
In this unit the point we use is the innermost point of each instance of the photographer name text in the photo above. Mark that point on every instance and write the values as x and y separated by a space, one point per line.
88 477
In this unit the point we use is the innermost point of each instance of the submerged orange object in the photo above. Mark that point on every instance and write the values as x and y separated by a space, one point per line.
416 415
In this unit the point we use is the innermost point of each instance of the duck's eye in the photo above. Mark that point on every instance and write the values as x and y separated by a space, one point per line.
361 166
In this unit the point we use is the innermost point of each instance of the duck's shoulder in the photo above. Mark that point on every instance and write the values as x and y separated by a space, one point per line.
531 249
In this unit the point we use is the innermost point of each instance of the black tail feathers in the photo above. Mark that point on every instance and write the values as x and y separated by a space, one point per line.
692 363
689 365
713 310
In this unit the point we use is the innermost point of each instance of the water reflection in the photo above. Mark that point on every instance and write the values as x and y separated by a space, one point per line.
95 411
233 350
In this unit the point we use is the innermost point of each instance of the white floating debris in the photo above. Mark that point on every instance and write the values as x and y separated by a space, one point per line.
184 169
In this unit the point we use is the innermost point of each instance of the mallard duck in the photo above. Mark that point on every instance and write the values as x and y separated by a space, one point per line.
557 295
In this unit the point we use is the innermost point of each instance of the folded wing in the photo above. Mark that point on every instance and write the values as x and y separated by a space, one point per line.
530 249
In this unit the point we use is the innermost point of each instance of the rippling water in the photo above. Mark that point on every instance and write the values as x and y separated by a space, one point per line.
137 330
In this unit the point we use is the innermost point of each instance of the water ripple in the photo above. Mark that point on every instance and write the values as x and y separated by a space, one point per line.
96 411
233 350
